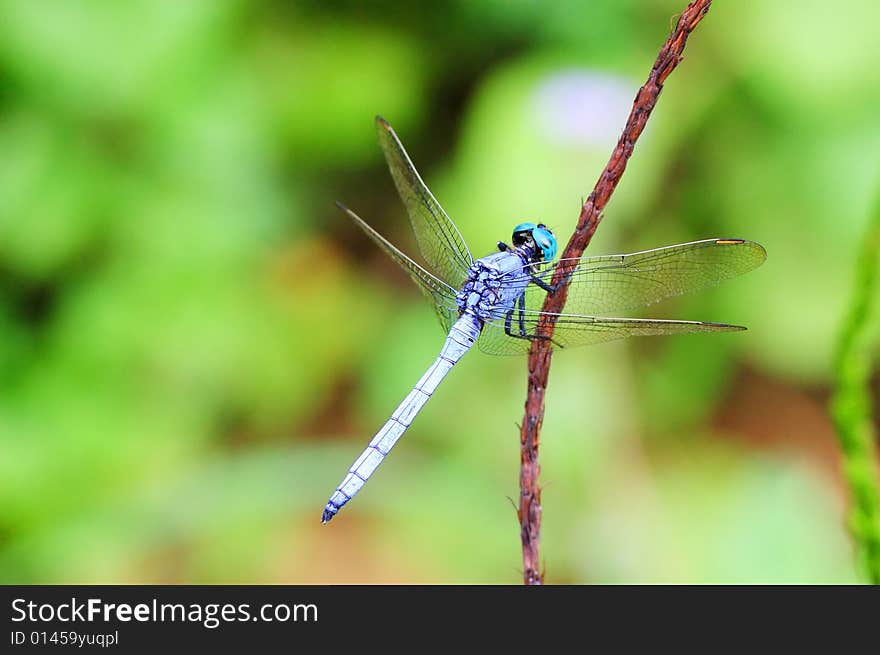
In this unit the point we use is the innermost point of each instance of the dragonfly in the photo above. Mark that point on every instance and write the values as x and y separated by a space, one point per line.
495 301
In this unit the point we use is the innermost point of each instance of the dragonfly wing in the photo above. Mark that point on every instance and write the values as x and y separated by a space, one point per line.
439 240
610 283
575 330
441 295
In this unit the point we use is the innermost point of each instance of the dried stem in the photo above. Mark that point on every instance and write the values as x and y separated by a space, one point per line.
590 216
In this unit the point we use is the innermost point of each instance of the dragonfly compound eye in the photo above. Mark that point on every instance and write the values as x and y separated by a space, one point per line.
522 233
546 241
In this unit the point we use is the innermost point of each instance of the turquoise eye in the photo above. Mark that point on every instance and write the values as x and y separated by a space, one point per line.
542 236
523 227
546 241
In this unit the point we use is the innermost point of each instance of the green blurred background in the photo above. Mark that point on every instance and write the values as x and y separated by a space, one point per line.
195 344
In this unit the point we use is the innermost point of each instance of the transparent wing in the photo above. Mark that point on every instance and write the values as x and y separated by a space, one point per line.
573 330
440 242
607 284
441 295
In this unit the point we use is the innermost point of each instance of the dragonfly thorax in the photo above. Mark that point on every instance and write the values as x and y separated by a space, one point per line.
495 282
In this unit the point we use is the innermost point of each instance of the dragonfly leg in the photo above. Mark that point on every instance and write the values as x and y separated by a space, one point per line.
552 288
508 321
522 314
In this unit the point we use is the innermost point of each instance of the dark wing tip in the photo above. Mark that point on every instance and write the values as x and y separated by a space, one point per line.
345 210
382 122
726 326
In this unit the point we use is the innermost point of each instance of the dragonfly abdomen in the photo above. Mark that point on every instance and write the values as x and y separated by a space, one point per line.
461 338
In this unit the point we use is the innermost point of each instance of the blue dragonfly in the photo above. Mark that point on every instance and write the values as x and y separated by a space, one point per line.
496 301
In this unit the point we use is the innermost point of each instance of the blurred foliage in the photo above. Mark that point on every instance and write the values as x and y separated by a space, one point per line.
194 344
851 404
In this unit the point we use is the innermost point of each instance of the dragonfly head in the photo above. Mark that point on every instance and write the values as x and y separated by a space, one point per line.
539 237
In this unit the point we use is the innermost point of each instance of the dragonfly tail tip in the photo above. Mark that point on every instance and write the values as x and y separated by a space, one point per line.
326 516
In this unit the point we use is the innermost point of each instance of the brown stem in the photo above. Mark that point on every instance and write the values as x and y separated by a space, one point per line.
590 216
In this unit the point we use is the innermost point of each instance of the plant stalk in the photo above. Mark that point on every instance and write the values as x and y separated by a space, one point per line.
540 355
